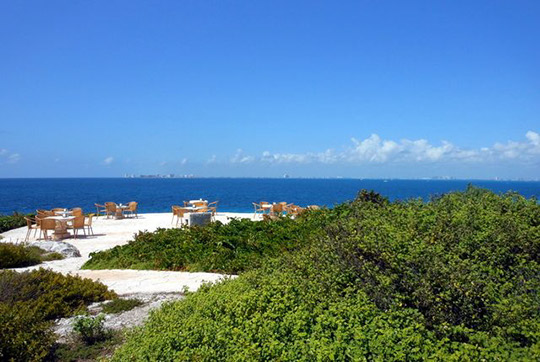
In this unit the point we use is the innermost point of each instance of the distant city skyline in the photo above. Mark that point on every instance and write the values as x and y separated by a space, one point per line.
252 89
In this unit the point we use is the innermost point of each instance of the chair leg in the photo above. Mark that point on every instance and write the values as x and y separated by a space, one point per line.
27 234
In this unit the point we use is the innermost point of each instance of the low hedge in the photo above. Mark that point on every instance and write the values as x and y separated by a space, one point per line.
8 222
456 278
229 248
20 255
30 301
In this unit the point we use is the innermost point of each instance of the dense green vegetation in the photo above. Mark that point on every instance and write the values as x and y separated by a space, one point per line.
120 305
8 222
20 255
453 279
229 248
30 301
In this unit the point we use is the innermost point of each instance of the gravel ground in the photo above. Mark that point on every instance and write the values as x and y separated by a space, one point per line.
128 319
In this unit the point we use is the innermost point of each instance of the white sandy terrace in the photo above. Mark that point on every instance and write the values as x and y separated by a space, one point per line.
110 233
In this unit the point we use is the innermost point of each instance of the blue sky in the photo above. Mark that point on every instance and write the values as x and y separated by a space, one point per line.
399 89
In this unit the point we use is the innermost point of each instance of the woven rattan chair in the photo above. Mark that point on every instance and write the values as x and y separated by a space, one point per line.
259 207
88 224
179 212
78 224
57 209
47 225
212 207
276 210
110 209
31 226
132 208
100 209
77 211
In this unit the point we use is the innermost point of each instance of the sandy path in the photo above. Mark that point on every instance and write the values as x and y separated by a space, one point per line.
110 233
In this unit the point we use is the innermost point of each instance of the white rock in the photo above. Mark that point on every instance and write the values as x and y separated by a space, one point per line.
66 249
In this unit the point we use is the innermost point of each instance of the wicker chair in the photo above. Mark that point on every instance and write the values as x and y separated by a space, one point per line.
212 207
47 225
110 209
100 209
31 226
276 210
259 207
78 224
88 224
132 209
77 211
179 212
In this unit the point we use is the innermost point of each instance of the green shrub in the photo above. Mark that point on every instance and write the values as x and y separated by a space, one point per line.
90 329
230 248
453 279
30 300
8 222
24 335
120 305
20 255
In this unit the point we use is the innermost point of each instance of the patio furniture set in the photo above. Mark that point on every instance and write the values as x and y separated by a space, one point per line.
59 221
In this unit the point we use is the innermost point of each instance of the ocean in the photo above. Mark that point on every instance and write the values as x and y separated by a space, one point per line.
233 194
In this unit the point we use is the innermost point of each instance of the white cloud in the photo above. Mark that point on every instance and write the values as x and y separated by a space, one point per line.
109 160
8 157
239 157
374 150
13 158
212 159
184 161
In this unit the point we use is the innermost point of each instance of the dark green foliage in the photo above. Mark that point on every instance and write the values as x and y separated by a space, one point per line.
19 255
30 300
8 222
80 351
230 248
120 305
453 279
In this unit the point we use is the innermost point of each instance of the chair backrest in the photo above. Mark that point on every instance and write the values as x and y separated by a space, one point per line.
263 203
29 222
110 206
77 211
277 208
48 224
313 207
56 209
181 211
45 212
132 206
200 203
78 222
89 223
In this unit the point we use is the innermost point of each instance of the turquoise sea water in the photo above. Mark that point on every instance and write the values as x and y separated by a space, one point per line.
234 194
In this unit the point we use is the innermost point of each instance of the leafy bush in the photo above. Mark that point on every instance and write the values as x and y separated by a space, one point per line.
8 222
230 248
120 305
30 300
20 255
90 329
453 279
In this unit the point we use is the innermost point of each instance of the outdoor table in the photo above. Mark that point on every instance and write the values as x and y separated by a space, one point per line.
64 213
120 211
60 232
